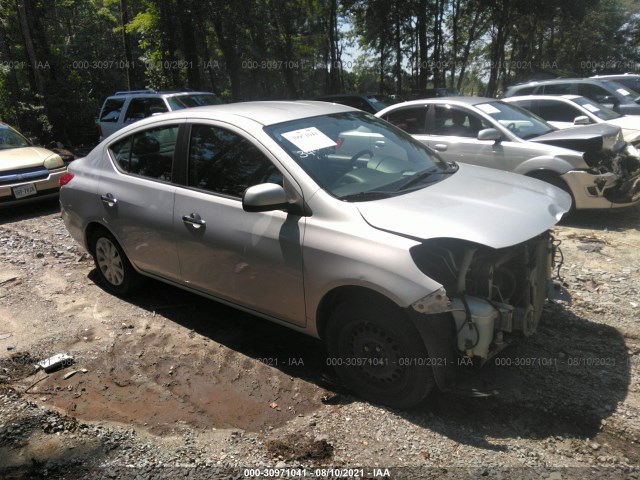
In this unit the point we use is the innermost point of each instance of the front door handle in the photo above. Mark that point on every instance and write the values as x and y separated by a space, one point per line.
440 147
194 220
109 200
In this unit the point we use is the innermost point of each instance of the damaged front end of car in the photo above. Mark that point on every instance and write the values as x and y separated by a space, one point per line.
611 178
622 164
488 297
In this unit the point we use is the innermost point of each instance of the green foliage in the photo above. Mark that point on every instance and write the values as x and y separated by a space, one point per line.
268 49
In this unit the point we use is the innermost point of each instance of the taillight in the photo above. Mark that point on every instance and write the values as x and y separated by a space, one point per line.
64 179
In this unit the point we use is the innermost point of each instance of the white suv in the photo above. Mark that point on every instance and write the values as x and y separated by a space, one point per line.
129 106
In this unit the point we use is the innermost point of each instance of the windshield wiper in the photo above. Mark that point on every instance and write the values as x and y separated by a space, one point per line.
420 176
364 196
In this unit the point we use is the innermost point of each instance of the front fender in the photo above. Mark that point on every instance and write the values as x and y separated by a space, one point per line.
559 164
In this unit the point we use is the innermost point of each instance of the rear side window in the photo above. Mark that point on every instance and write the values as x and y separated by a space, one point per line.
149 154
140 108
221 161
411 120
111 110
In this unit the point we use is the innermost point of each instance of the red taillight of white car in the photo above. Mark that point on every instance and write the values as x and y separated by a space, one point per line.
64 179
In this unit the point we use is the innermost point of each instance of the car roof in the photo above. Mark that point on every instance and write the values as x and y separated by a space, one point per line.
543 97
265 112
153 93
558 80
615 75
457 100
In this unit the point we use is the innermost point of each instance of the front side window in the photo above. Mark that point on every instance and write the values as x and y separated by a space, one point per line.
224 162
457 122
553 111
557 89
148 154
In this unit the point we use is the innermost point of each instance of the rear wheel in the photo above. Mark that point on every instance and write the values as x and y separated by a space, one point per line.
378 354
114 269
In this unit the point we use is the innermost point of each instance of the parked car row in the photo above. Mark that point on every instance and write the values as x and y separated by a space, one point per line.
582 161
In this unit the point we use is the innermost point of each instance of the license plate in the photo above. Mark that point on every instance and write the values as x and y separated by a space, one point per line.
25 190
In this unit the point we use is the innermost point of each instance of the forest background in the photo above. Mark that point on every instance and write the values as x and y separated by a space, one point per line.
59 59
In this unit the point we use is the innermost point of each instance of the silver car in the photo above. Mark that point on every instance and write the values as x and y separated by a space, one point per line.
399 261
566 111
592 163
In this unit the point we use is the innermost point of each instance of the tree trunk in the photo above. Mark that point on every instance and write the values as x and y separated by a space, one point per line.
35 74
124 19
423 59
7 54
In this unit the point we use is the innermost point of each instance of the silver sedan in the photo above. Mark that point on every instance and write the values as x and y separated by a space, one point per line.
329 221
591 163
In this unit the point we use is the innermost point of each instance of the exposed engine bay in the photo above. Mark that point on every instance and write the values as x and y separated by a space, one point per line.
624 165
490 293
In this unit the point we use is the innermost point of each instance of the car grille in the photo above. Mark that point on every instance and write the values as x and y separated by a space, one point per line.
23 175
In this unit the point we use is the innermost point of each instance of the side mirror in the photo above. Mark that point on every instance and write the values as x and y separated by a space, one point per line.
489 134
581 120
264 198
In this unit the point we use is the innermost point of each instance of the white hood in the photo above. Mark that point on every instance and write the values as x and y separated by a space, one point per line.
478 204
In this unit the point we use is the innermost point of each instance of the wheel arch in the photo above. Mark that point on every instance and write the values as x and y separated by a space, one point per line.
352 293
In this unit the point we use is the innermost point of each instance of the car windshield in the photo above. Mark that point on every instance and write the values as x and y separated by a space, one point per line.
518 121
600 111
9 138
622 90
355 156
193 100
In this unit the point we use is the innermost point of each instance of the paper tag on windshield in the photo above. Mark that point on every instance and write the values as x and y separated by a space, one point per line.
591 108
309 139
622 91
487 108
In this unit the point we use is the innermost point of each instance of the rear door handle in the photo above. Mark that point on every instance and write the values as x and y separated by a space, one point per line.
109 200
194 220
440 147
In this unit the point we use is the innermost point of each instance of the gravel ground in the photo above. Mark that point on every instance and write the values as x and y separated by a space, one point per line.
165 384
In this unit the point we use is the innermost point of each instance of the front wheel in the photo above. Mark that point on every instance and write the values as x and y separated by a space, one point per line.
379 355
114 269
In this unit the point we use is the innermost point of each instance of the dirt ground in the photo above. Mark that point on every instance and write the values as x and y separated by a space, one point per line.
166 384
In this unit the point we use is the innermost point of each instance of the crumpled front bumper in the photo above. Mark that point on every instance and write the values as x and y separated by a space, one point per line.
613 181
605 190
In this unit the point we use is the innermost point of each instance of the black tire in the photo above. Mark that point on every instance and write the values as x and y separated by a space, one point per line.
378 354
114 269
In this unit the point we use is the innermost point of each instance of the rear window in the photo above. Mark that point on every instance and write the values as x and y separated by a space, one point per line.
111 110
187 101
